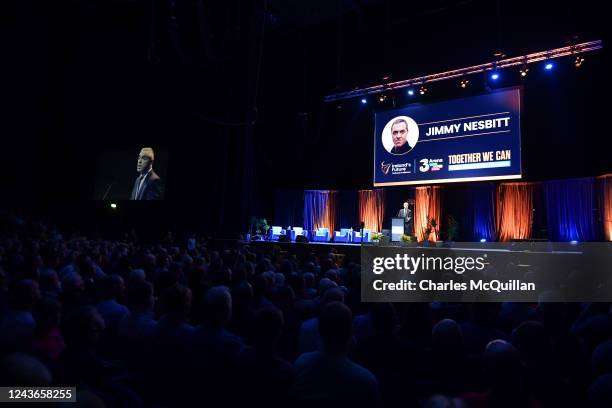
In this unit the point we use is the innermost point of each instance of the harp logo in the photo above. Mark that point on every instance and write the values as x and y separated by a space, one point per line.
385 167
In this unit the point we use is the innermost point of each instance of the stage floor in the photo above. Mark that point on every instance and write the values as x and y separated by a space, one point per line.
353 250
320 249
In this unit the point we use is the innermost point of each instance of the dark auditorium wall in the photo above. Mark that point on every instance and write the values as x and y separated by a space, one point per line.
234 90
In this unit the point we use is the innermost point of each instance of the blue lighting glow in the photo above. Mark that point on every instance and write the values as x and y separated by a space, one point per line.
495 76
548 66
411 92
483 240
364 101
573 242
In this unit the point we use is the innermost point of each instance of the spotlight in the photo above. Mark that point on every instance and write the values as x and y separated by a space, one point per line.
573 242
410 91
422 90
494 75
548 66
578 61
483 240
464 83
499 55
524 71
382 98
364 101
113 206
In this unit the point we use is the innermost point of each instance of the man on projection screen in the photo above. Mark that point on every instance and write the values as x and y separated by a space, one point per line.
399 136
148 185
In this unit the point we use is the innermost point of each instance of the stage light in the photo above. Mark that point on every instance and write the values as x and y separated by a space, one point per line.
382 98
490 71
573 242
524 71
578 61
483 240
410 91
464 83
548 66
113 206
364 101
422 90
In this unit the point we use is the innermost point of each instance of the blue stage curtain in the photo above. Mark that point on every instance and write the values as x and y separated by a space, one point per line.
319 210
482 196
458 205
348 209
569 205
289 208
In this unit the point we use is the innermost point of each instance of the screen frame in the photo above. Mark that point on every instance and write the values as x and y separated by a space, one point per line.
521 90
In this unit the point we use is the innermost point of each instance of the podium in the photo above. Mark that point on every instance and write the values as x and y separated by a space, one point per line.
397 229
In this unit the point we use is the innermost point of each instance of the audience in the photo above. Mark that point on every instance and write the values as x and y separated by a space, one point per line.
18 324
328 378
262 378
309 335
212 350
238 326
111 288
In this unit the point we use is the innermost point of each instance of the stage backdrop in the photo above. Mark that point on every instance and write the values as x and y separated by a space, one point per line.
605 204
570 205
372 208
320 210
514 211
427 206
474 138
573 209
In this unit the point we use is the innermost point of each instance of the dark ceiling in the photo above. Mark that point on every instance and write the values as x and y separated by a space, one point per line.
234 89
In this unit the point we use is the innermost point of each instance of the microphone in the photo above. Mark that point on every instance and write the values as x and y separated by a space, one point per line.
107 191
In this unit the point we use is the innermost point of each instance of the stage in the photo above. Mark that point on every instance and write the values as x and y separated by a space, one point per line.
523 254
305 249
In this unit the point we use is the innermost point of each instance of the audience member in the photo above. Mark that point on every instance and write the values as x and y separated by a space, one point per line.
327 378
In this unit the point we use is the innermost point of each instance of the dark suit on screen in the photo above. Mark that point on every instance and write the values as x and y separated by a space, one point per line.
151 188
405 148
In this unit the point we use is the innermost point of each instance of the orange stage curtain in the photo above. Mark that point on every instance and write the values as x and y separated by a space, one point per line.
514 212
605 184
427 206
331 211
372 208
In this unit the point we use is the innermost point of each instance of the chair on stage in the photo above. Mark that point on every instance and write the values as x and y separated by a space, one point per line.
344 235
366 236
321 235
296 232
275 232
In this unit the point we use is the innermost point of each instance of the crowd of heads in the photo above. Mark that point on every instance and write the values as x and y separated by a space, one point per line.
163 325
